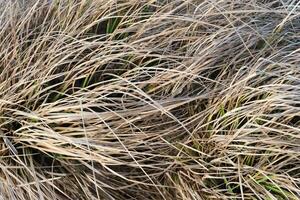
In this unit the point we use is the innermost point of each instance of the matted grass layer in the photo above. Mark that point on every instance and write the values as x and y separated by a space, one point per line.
150 99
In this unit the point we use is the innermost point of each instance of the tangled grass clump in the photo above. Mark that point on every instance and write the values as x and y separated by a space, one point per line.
150 99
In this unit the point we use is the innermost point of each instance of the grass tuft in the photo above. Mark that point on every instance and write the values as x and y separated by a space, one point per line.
150 99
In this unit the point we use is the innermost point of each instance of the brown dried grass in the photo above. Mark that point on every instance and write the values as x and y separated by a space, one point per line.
151 99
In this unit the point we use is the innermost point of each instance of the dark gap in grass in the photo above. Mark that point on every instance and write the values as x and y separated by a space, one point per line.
115 95
292 169
295 121
14 125
98 29
9 128
213 74
52 97
104 73
277 111
218 183
44 160
109 26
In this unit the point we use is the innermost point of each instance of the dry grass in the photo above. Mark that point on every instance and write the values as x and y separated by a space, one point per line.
151 99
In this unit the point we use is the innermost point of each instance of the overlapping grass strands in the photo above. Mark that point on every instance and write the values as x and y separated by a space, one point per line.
151 99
